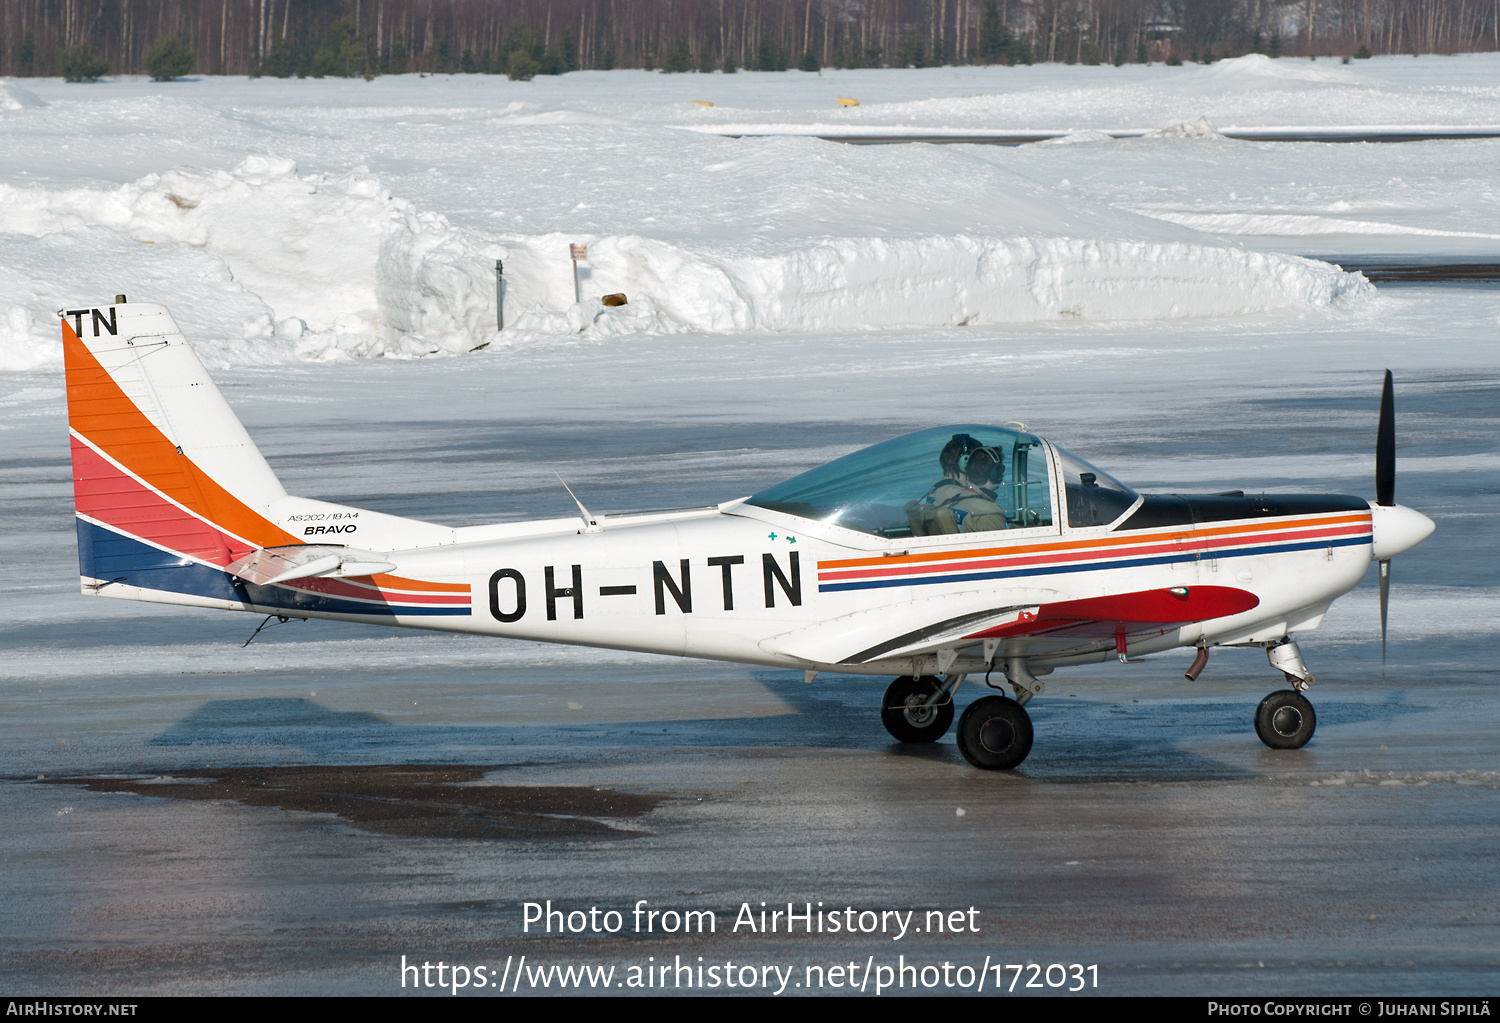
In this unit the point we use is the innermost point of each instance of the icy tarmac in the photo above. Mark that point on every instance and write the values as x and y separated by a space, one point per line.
1149 833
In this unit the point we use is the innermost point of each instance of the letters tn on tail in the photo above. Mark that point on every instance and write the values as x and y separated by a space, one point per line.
175 504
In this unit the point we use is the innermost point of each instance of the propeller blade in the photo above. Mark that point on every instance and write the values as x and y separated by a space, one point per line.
1385 602
1385 447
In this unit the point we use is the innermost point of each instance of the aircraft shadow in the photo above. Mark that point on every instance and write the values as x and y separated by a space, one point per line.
279 718
1078 741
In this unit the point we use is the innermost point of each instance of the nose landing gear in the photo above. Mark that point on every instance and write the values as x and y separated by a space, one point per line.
1285 719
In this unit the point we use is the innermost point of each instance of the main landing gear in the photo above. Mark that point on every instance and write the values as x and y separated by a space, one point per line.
917 709
994 733
1285 719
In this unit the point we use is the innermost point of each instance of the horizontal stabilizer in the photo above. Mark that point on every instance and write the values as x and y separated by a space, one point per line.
272 566
318 566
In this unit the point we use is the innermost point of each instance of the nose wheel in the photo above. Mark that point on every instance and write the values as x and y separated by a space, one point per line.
1285 720
917 709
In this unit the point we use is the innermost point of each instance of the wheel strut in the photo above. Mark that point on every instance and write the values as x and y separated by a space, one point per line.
1286 658
1022 681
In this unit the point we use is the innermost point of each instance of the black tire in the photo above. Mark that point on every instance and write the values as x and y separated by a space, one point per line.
904 716
1285 720
994 734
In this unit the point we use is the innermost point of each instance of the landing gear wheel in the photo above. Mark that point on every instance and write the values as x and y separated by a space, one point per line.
904 715
994 734
1285 720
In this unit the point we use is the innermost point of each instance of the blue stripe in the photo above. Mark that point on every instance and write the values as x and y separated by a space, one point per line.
86 550
117 558
1093 566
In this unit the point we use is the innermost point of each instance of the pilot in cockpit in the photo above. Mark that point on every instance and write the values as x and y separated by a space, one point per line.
961 502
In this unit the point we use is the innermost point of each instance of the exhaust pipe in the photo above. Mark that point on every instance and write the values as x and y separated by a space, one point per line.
1196 668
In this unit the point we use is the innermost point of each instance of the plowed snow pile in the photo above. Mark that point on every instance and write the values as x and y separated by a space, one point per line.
265 263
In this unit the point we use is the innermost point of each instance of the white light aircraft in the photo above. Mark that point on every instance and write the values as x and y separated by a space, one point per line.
1022 559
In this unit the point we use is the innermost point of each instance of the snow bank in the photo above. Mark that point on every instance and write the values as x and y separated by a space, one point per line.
1258 70
1201 128
863 283
98 263
284 265
792 235
14 97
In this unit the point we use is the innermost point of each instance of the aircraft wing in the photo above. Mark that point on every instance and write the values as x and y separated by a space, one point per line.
939 619
1090 618
272 566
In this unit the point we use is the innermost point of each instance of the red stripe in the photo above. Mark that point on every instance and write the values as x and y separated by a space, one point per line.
108 495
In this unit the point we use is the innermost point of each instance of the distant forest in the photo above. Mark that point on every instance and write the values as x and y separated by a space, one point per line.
523 38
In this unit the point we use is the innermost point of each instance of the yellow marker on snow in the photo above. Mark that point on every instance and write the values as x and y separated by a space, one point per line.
845 101
702 103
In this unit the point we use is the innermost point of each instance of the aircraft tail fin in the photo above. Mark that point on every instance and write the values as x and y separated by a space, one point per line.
164 475
175 504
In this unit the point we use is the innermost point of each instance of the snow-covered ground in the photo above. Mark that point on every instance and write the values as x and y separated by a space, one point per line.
315 220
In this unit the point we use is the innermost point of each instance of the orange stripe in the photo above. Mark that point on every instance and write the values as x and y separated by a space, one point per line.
106 416
1095 542
402 583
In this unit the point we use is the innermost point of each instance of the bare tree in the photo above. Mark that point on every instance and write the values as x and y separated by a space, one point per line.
283 36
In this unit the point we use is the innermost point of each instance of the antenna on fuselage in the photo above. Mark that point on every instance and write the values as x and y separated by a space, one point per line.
591 524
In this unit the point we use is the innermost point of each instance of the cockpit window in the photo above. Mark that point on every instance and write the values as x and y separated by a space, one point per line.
953 479
1093 496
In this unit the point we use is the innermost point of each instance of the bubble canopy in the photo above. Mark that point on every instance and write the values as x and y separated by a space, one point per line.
882 489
